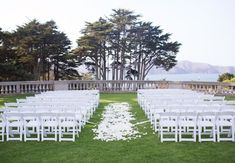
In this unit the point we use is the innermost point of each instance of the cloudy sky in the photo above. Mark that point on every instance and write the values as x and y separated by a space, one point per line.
206 28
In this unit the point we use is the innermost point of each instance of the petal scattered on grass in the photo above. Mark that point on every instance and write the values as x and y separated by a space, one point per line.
116 124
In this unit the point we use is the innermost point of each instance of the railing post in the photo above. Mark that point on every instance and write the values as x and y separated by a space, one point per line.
18 88
60 85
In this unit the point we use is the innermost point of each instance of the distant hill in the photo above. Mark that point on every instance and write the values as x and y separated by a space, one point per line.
187 67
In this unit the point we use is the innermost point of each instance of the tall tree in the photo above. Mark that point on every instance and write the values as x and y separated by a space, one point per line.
42 48
122 21
130 47
152 48
94 45
10 68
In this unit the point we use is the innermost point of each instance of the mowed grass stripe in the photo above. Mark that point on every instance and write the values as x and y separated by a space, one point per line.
145 149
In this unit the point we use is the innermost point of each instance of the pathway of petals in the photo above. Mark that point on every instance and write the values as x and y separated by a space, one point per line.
116 124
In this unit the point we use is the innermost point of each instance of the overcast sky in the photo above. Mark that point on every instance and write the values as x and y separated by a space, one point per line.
206 28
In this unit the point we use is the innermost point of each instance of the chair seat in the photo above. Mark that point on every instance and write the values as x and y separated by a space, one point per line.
168 124
186 124
224 123
67 124
14 124
32 123
50 123
208 124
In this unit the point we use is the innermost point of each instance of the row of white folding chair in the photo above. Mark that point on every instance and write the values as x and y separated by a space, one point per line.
154 117
64 98
60 96
167 94
45 124
53 106
229 102
65 94
196 96
87 108
182 100
81 115
167 103
82 100
160 96
20 101
208 123
179 97
72 92
165 91
188 108
64 105
56 103
156 103
177 100
212 99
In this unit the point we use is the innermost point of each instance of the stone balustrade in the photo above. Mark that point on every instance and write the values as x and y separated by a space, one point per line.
113 86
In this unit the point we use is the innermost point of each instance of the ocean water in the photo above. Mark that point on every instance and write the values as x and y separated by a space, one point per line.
184 77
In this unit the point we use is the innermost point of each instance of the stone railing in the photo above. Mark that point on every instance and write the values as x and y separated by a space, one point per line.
211 87
26 87
113 86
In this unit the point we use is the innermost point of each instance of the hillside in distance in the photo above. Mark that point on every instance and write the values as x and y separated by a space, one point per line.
188 67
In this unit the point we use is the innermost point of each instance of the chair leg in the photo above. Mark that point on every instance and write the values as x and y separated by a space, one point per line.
55 133
233 132
214 134
2 133
7 132
25 133
194 134
180 134
60 133
38 133
176 134
42 134
73 133
218 133
199 134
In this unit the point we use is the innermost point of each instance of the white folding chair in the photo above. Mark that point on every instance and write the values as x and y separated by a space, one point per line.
31 125
67 126
225 126
187 126
168 126
14 126
156 119
49 124
206 126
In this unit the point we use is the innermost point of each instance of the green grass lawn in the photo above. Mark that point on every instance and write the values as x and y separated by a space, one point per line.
145 149
230 98
11 98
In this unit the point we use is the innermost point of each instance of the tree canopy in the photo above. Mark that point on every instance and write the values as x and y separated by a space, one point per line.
123 47
117 47
226 77
36 51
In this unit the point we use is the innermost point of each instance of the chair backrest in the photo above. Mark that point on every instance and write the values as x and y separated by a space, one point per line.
208 117
188 117
10 105
10 117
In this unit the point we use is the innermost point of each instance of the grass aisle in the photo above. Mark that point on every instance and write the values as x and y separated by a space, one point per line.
145 149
